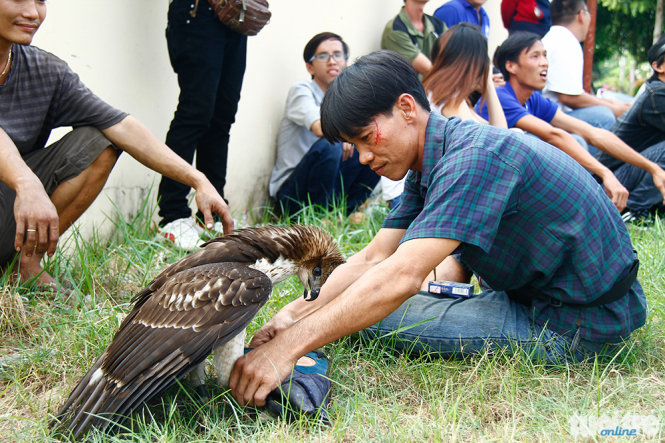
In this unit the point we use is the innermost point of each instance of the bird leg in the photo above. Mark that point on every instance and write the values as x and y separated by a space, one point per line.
226 355
197 378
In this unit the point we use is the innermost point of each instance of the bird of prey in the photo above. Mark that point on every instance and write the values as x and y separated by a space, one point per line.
198 305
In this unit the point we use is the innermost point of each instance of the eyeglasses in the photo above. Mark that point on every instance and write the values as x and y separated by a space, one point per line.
325 57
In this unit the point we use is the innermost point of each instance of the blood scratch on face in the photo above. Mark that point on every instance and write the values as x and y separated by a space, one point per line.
377 137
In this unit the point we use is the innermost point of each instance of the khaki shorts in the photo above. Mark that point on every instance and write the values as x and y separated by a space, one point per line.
53 165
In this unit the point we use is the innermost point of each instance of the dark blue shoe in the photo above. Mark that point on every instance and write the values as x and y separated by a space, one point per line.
305 392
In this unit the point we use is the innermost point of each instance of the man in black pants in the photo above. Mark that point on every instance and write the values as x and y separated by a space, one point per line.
209 59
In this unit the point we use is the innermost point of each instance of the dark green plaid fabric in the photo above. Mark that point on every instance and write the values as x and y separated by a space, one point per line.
527 215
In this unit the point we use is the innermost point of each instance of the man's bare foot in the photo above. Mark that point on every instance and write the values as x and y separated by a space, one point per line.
30 270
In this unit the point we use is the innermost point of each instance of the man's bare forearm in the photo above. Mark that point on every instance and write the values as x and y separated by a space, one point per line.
132 136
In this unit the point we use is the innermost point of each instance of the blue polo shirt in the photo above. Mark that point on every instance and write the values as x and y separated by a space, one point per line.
456 11
537 105
527 216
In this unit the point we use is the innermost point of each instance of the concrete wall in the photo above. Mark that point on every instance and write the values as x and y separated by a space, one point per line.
119 50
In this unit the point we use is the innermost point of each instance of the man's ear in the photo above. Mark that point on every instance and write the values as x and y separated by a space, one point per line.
659 69
511 66
310 68
406 105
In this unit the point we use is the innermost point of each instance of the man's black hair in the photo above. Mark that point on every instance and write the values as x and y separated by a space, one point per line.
314 42
562 12
511 48
657 54
369 87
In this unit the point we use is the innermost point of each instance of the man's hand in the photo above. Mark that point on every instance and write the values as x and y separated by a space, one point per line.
282 320
498 80
615 191
658 176
258 373
347 150
617 107
37 223
209 201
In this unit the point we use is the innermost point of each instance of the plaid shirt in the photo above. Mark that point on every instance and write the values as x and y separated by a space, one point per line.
526 214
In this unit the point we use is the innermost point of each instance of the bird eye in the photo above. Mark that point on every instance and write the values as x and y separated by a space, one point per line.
316 272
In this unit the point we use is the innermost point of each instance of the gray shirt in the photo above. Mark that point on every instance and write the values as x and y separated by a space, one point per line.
303 108
42 93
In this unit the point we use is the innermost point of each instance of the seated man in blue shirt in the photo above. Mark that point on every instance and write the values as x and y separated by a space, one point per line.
526 218
309 169
523 61
468 11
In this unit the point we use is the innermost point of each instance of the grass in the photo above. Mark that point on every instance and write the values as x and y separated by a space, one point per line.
378 394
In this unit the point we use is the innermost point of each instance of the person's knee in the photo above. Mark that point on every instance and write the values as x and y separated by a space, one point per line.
326 151
100 169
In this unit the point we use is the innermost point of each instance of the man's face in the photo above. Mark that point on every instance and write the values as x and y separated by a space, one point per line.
20 19
531 69
586 20
326 69
388 145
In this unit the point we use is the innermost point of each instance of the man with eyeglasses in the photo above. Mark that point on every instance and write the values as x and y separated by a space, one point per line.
309 169
570 24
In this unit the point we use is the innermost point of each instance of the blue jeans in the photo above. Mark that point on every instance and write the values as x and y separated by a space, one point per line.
451 327
209 60
598 116
321 176
643 193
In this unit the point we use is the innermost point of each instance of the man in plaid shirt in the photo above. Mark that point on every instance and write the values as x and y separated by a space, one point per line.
524 216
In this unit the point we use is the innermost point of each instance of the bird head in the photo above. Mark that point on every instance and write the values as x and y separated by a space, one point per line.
321 256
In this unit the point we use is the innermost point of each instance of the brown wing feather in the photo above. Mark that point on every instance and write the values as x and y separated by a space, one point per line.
166 336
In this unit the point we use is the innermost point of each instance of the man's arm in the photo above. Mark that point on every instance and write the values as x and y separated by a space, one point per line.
585 100
401 43
422 64
371 298
132 136
33 208
564 141
607 142
382 246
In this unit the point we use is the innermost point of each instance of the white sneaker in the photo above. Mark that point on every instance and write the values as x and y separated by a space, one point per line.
185 233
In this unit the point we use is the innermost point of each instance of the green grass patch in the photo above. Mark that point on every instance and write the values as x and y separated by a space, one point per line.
378 394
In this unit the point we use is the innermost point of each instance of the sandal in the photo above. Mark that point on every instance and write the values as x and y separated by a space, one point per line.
306 391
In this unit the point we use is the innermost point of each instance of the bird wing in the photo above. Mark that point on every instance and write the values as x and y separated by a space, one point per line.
163 338
231 250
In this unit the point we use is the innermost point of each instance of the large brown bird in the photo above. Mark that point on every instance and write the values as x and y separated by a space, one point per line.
198 305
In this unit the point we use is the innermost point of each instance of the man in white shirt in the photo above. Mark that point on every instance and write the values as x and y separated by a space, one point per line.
570 20
309 169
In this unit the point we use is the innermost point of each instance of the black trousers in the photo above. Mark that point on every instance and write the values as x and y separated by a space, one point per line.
209 60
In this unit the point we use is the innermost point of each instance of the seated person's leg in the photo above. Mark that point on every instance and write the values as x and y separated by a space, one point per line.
313 180
643 193
73 171
358 181
450 269
450 327
598 116
392 190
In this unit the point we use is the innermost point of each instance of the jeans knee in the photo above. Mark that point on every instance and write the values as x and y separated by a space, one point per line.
327 151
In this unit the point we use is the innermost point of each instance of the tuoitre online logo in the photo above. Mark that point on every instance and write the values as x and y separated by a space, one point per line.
616 424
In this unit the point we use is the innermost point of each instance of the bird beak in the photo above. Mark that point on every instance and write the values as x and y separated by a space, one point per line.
312 285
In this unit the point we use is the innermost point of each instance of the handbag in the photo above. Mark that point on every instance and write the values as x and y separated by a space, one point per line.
247 17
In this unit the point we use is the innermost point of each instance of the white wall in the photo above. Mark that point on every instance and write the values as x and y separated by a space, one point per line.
119 50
